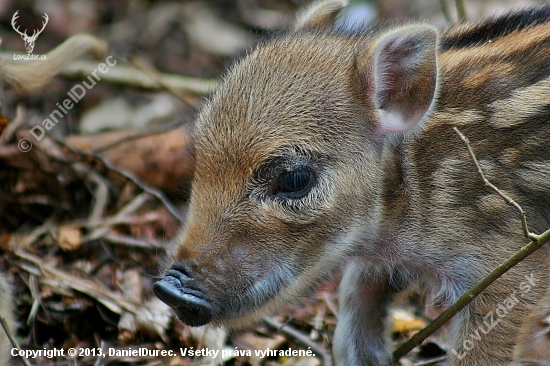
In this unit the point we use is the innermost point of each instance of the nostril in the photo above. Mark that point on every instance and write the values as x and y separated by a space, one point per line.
183 269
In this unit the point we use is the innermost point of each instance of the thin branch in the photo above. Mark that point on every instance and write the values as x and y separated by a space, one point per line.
129 76
155 75
140 134
131 177
61 280
505 197
445 10
13 125
36 295
130 241
101 192
127 210
537 241
461 10
432 361
330 304
114 220
300 338
13 341
100 358
145 187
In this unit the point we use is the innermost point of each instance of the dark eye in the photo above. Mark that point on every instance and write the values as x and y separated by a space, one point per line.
295 183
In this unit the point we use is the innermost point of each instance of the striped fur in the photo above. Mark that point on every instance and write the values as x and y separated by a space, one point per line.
396 198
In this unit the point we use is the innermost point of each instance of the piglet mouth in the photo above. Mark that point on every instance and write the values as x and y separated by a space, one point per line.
178 291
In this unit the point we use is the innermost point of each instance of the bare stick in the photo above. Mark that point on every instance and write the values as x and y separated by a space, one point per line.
113 220
445 10
140 134
537 241
330 304
155 75
145 187
12 340
433 361
130 241
13 125
131 177
461 10
299 338
505 197
127 75
128 209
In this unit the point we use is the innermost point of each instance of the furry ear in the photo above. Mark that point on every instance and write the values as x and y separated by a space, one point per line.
402 75
319 15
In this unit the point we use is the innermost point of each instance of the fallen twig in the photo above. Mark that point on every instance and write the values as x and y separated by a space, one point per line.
60 279
114 220
180 94
138 135
431 362
445 10
13 341
130 76
13 125
131 177
128 209
461 10
130 241
300 338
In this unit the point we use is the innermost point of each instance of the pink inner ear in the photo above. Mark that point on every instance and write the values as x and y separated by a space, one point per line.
395 122
405 76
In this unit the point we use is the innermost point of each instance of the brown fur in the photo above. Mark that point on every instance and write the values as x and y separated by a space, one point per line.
396 198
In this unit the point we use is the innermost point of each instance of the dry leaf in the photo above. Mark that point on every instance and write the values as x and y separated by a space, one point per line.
69 238
404 321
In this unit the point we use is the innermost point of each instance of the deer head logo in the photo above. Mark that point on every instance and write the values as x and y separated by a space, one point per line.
29 40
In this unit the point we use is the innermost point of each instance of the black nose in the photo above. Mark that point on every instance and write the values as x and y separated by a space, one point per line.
188 302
